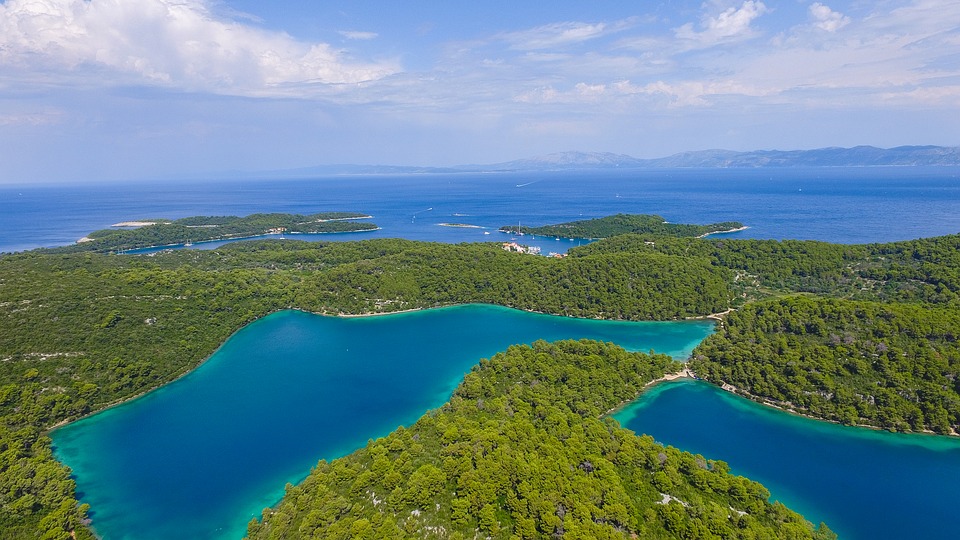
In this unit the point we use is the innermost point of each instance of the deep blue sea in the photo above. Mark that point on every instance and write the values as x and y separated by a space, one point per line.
846 205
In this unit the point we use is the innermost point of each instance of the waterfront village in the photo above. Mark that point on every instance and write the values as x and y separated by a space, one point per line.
530 250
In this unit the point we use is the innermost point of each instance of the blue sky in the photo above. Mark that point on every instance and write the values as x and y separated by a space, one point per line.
126 89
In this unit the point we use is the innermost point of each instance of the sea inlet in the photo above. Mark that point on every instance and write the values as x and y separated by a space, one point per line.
865 484
198 458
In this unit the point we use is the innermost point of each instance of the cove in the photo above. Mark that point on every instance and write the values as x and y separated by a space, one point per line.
199 457
864 484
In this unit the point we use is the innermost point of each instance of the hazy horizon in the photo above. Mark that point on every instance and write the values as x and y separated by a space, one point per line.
101 90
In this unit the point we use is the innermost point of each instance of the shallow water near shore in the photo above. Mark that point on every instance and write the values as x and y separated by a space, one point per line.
201 456
864 484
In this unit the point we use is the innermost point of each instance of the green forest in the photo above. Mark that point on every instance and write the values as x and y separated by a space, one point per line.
520 451
608 226
165 232
894 366
862 334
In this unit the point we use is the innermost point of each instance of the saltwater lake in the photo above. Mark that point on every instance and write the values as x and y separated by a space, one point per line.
201 456
864 484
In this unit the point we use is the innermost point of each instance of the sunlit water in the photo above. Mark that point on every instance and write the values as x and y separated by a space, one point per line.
864 484
201 456
846 205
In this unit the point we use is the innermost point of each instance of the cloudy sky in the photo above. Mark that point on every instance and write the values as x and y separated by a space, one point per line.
128 89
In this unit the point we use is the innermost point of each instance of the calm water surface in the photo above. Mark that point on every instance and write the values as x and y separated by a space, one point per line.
846 205
201 456
864 484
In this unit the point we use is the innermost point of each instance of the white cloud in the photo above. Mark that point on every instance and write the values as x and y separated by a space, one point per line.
941 95
560 34
880 54
909 51
604 71
174 43
540 95
828 19
355 34
590 91
580 93
542 57
730 24
691 93
42 118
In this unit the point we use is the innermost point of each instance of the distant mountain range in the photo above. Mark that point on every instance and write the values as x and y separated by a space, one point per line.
858 156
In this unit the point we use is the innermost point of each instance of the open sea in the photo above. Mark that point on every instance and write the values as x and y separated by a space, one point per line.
863 484
846 205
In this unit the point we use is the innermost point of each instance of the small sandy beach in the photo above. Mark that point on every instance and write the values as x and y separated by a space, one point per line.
460 225
723 232
134 223
685 373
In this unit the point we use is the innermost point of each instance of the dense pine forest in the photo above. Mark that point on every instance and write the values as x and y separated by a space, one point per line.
618 224
148 233
895 366
861 334
520 451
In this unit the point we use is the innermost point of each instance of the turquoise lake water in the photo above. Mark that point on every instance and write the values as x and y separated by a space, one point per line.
199 457
864 484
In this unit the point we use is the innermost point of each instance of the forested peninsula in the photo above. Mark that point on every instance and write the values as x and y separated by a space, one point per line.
520 451
862 334
148 233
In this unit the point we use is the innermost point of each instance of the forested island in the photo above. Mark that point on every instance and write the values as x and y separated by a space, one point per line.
608 226
148 233
860 334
